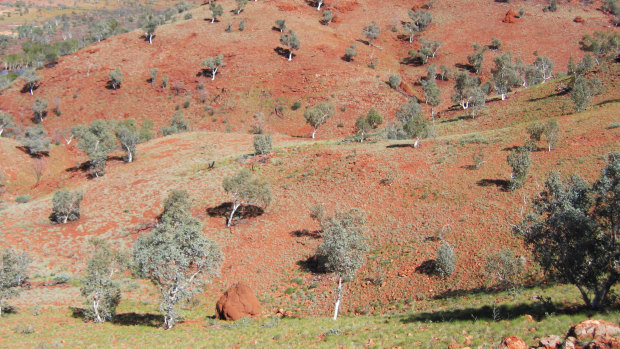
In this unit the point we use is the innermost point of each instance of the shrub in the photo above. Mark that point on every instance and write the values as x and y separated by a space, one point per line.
504 268
244 188
350 53
66 206
116 78
519 160
445 260
394 80
262 144
296 105
13 273
22 199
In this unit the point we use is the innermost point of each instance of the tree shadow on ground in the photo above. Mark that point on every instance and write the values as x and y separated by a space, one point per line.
283 52
125 319
500 183
402 145
428 267
35 155
313 264
537 310
315 234
244 212
467 67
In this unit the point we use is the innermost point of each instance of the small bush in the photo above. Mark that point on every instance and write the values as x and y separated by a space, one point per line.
62 278
186 104
394 80
296 105
22 199
445 260
263 144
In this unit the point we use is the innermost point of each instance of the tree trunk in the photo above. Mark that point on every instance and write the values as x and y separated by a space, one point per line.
64 219
337 305
290 55
314 133
129 154
585 297
503 96
549 146
213 19
150 38
31 91
213 72
411 38
319 8
96 309
1 130
232 213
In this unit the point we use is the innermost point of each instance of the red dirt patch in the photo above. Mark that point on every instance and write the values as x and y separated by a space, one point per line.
510 17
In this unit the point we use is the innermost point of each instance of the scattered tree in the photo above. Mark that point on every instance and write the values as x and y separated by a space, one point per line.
464 88
291 41
328 15
394 80
535 131
371 32
476 59
97 140
504 268
244 188
176 256
573 229
31 79
445 260
35 140
364 125
240 6
178 124
128 136
581 93
116 78
13 274
414 124
39 109
343 248
544 67
420 22
504 73
153 75
281 25
496 44
149 24
6 122
552 132
519 160
101 291
66 206
350 53
146 131
603 45
432 95
214 63
318 115
263 144
216 10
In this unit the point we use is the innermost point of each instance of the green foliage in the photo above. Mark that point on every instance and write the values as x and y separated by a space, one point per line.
503 268
281 25
445 260
328 15
116 78
318 115
420 22
22 199
214 63
581 93
101 291
216 10
553 6
496 43
178 124
128 136
146 131
350 53
262 144
35 140
97 140
394 80
240 6
535 131
13 273
291 41
153 73
66 206
31 79
344 244
149 23
465 88
432 94
573 229
505 76
603 45
519 160
371 32
296 105
428 49
39 109
242 25
243 188
476 58
413 123
6 123
366 124
176 256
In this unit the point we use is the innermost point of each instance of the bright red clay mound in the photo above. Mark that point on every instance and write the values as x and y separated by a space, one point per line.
511 17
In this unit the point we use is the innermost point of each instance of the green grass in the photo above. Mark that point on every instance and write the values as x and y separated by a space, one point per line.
484 318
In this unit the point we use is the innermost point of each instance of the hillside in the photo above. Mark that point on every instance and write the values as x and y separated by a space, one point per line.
414 198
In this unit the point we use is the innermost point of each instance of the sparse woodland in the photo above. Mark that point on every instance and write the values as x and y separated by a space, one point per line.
379 174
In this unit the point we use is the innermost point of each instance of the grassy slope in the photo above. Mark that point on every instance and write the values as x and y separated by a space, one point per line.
473 320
